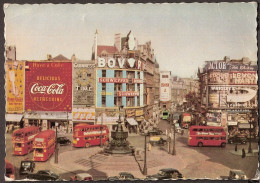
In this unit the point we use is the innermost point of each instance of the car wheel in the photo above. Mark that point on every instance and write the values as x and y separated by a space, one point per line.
87 145
223 145
200 144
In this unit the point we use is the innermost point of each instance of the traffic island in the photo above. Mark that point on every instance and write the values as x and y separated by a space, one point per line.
239 153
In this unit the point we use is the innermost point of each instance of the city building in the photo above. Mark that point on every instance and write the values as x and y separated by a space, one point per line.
119 82
10 53
83 99
228 93
48 93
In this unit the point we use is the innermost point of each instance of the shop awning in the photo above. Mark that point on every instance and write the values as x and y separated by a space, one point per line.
131 121
232 123
244 126
13 117
139 118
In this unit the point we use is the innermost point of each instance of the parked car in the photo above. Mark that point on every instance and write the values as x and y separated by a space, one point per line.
237 175
155 140
123 176
27 166
63 141
81 176
165 174
43 175
237 139
155 131
9 170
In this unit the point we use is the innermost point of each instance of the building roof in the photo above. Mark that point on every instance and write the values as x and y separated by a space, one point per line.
60 57
106 50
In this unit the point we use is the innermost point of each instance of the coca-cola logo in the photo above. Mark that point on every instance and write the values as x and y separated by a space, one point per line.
49 89
48 96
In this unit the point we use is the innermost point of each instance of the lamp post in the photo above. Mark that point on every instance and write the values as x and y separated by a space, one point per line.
56 144
67 108
173 123
101 129
249 147
145 151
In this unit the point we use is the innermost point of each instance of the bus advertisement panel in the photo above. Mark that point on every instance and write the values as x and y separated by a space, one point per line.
44 145
85 135
23 140
207 136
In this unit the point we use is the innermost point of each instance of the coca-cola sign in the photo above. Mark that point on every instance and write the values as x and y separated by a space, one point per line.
48 86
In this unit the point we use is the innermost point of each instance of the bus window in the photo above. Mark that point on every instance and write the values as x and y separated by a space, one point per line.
25 134
200 130
199 138
18 144
211 138
211 130
223 138
206 130
97 137
206 138
217 138
195 129
39 150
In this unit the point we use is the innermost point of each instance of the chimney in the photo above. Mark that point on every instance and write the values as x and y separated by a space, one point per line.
73 58
227 59
118 41
49 57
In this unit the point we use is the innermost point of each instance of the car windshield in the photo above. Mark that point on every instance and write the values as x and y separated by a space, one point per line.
26 164
161 173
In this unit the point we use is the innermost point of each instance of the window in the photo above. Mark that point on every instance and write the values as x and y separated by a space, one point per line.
88 75
223 138
103 101
211 138
195 130
103 86
103 73
198 138
206 138
200 130
216 138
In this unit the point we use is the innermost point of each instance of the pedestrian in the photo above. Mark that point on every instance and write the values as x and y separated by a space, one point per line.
236 147
243 153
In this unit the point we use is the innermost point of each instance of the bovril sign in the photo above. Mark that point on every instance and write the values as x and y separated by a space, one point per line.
119 62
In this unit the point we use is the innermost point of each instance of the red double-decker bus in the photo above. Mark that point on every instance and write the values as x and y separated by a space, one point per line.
23 140
44 145
85 135
207 136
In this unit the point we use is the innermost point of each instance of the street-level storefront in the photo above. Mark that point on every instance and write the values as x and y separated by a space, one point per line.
47 120
13 121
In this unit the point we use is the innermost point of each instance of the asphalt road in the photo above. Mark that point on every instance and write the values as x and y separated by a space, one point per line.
199 159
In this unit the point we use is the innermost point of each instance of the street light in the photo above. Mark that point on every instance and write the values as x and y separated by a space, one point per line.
101 129
56 144
249 147
174 128
67 108
145 151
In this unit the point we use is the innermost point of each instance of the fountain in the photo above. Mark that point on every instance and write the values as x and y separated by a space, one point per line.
119 144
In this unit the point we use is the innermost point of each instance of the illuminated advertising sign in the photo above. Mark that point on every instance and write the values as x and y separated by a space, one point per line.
127 93
138 81
108 116
14 86
120 63
83 83
113 80
243 78
48 86
83 114
218 77
165 86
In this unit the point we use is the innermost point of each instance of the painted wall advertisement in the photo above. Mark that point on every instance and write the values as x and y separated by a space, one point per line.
48 86
83 114
83 83
165 87
14 86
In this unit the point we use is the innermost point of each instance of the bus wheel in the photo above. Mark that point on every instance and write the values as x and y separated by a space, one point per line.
87 145
200 144
223 144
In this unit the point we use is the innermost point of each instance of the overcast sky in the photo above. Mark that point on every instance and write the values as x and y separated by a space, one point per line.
182 35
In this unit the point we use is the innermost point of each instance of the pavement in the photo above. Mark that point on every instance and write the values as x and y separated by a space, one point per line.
239 152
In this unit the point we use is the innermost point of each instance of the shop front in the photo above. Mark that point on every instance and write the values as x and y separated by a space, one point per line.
47 120
13 121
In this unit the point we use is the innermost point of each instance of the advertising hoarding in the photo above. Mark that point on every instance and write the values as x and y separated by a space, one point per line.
83 114
14 78
243 78
48 86
165 86
83 83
